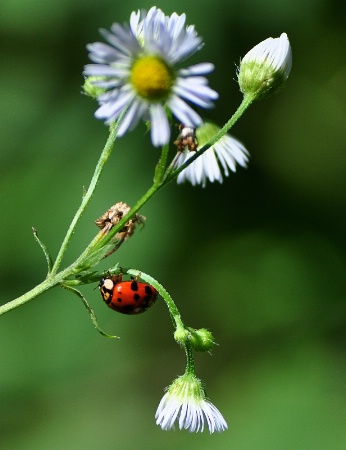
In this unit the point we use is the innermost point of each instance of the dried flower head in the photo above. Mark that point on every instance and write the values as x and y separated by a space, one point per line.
187 138
112 217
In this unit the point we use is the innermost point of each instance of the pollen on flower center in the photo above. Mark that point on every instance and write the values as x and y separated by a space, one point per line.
151 78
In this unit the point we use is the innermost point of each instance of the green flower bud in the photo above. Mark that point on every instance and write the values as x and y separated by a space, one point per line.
201 340
181 335
266 67
91 88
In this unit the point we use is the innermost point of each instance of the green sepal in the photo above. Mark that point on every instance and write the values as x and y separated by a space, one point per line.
201 340
44 249
90 310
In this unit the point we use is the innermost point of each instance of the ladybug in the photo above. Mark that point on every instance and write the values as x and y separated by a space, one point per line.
127 297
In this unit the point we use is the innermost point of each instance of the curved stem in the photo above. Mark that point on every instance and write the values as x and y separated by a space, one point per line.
161 290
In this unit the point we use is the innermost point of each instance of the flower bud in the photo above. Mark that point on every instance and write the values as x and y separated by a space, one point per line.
181 335
266 67
91 88
201 340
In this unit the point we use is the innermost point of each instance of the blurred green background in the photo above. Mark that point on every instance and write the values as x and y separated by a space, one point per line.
258 260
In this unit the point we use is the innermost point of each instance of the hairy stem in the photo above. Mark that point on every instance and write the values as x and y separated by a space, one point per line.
106 152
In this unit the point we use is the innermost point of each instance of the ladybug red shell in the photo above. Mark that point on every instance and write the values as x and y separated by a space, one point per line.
127 297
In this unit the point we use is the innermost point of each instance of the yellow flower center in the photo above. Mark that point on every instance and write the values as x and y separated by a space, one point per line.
152 78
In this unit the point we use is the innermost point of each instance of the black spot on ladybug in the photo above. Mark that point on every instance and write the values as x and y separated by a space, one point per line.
119 300
127 309
136 297
134 286
148 290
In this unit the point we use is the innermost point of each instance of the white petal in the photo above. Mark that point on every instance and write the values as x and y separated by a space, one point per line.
112 109
134 21
132 117
197 69
195 93
211 167
100 70
160 132
184 112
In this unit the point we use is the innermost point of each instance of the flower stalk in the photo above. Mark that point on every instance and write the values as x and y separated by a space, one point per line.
106 152
135 76
97 249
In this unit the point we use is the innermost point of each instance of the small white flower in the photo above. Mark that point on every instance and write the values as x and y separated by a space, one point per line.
141 74
226 152
266 67
186 402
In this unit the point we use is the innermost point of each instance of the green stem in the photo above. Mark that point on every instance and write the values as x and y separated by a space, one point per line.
47 284
173 310
106 152
190 361
161 165
158 176
54 278
161 180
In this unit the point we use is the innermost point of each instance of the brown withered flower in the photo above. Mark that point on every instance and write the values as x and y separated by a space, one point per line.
112 217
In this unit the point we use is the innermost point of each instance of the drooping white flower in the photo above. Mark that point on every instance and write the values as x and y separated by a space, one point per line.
226 152
266 67
185 402
139 66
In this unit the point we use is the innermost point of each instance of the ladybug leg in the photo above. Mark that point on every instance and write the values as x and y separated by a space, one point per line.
137 277
116 278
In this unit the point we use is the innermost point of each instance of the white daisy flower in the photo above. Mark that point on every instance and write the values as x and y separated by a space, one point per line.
185 402
226 152
141 75
266 67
